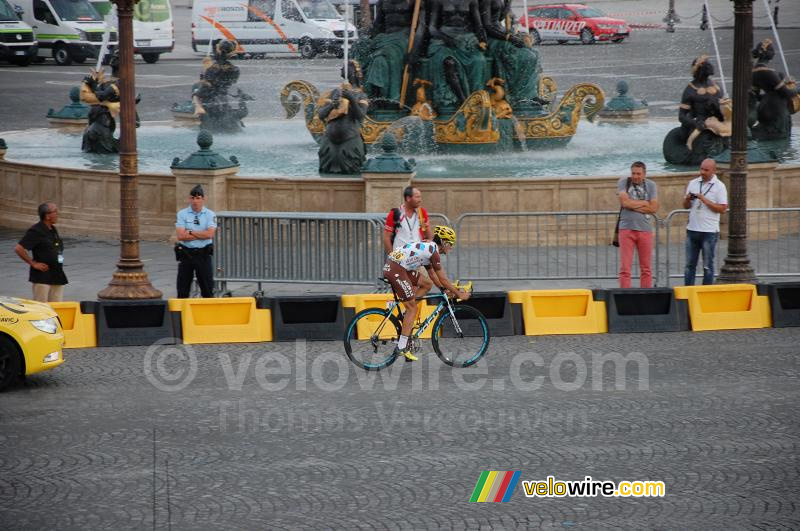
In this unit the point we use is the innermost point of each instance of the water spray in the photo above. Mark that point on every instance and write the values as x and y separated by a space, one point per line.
716 50
346 41
777 39
106 36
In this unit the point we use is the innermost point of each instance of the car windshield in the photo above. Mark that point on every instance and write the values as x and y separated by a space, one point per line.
151 11
75 10
6 11
319 10
590 12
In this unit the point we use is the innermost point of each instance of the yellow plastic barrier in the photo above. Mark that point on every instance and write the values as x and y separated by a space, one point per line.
726 306
378 300
79 328
560 311
223 320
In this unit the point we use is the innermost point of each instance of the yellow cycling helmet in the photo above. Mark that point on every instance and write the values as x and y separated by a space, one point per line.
445 234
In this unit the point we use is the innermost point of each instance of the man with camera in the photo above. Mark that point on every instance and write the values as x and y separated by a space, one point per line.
195 227
706 198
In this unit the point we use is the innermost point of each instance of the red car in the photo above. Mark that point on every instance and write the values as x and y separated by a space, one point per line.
572 22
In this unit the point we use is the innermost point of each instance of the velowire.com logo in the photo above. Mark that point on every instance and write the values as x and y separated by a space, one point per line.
494 486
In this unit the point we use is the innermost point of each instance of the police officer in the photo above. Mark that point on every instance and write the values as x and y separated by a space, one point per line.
195 227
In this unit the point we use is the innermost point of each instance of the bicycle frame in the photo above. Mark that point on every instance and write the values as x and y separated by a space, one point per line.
430 319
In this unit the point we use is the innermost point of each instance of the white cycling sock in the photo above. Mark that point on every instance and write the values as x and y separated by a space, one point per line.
402 342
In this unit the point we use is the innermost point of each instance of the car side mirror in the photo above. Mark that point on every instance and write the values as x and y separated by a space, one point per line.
19 11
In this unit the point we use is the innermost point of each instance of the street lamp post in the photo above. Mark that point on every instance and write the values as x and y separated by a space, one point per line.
130 280
737 264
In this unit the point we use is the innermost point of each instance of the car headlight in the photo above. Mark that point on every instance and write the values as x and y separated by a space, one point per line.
48 326
83 35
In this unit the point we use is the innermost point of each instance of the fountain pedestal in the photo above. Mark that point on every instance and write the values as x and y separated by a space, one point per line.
206 168
385 176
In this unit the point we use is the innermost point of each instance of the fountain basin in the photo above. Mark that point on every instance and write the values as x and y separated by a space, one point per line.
283 148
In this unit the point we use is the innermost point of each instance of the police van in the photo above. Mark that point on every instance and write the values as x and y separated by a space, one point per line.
17 44
307 27
153 29
68 30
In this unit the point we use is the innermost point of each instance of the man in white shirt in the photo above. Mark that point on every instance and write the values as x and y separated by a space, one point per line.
706 198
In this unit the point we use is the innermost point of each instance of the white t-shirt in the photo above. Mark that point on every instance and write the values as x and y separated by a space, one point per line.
409 229
702 218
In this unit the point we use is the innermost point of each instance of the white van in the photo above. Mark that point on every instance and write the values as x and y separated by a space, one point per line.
69 30
270 26
17 43
153 29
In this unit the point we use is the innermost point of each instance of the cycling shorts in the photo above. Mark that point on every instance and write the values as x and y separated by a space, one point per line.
403 282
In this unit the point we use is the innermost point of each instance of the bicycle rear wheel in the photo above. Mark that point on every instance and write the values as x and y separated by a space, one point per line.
462 341
369 341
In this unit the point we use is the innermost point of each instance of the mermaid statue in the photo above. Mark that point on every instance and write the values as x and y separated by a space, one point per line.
774 98
705 119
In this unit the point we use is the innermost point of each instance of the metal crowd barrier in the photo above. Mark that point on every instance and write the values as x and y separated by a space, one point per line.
773 244
343 248
538 246
312 247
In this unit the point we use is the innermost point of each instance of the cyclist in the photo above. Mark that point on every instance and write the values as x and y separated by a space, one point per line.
400 271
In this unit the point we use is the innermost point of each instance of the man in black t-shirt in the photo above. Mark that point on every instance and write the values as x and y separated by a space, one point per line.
47 266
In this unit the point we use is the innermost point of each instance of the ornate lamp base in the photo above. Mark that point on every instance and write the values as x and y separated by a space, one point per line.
129 286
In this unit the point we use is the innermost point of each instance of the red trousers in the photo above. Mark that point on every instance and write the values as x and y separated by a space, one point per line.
642 241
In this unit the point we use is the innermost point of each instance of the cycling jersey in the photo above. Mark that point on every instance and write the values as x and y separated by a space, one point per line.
412 256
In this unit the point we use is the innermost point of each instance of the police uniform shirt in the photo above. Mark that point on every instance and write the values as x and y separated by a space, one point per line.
48 249
188 219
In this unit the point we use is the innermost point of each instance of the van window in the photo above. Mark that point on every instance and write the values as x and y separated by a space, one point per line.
151 11
290 11
7 12
75 10
318 9
267 7
43 13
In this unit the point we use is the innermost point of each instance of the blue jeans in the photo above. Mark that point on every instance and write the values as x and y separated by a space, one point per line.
695 242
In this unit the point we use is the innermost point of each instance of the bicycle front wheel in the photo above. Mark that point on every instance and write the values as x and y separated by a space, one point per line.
463 340
370 339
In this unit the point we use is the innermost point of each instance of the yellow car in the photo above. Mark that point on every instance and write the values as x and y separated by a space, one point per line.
31 339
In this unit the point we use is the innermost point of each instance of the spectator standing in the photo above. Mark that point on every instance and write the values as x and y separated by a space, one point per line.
195 227
638 199
47 265
706 198
408 223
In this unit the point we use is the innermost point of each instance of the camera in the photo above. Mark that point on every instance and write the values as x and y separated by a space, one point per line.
693 196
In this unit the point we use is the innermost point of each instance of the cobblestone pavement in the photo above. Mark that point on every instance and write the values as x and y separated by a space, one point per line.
290 436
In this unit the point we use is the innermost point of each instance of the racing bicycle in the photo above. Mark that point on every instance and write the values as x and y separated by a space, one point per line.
460 333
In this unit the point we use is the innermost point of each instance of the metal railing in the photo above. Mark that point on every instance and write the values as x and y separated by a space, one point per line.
773 243
343 248
312 247
538 246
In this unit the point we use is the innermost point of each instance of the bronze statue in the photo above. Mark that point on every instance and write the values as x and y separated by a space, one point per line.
211 97
102 95
704 117
341 148
456 63
387 47
513 58
773 97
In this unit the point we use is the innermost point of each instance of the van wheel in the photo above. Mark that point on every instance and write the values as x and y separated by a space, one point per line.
150 58
22 61
61 55
307 50
9 362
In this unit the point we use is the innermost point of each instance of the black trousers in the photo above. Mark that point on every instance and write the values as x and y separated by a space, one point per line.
203 267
